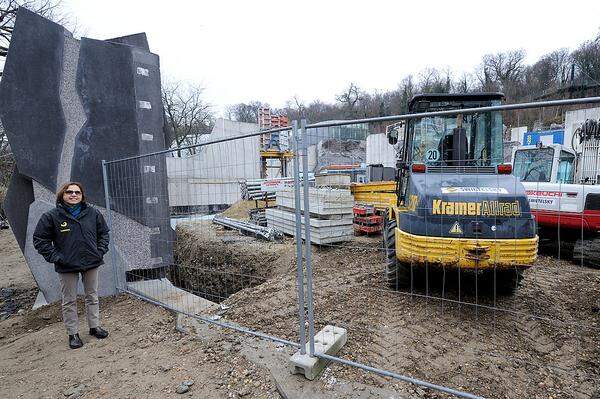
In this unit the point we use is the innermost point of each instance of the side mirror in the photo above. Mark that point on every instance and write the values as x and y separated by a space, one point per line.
394 131
392 137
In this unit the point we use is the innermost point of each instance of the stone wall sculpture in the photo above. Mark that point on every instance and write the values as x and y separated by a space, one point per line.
66 105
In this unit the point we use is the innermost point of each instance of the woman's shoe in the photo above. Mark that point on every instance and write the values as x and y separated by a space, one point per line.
75 342
98 332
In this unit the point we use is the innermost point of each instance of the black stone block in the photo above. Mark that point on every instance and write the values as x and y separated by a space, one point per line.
16 205
105 83
29 96
137 40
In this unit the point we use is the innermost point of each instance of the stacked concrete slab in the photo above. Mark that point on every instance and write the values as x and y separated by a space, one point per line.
68 104
211 177
330 214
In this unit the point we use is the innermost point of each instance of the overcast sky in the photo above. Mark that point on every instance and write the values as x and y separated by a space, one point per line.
273 50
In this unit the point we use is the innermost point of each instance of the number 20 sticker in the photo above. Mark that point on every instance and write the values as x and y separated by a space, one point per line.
432 155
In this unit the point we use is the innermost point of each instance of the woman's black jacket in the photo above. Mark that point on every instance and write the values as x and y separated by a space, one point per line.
72 244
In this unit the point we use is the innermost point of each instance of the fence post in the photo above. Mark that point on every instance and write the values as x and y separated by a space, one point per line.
307 243
299 263
111 244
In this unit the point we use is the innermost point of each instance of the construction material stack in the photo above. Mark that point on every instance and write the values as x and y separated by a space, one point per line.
266 189
252 190
331 214
366 220
257 216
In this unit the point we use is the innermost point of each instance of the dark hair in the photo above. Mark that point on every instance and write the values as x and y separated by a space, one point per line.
64 187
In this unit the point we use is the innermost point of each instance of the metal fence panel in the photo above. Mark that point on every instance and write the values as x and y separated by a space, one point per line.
200 250
443 293
467 325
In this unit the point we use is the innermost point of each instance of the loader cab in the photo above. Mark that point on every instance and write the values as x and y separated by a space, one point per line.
466 140
457 143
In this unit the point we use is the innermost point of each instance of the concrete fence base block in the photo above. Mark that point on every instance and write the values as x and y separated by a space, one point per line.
327 341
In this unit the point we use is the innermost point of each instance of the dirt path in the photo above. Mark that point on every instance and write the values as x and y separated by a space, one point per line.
13 269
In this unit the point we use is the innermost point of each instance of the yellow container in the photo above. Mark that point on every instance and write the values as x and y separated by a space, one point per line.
380 194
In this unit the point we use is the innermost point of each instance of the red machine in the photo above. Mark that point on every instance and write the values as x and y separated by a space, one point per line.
366 220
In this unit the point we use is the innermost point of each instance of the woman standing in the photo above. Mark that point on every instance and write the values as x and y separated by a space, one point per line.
74 236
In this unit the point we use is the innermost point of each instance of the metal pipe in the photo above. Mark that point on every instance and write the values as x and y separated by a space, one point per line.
506 107
299 263
255 230
188 147
111 242
307 242
400 377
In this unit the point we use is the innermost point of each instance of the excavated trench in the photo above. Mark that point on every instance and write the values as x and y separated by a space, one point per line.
215 263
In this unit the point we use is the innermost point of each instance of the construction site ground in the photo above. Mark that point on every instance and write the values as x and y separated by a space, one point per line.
491 352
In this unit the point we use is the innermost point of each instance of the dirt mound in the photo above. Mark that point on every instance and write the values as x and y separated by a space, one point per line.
240 209
214 262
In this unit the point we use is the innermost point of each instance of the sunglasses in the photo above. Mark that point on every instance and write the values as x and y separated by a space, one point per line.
73 192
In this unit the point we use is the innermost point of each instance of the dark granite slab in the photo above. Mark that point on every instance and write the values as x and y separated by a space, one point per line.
16 205
137 40
29 96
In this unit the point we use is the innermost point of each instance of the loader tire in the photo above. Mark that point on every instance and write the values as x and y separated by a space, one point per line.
507 281
586 252
397 274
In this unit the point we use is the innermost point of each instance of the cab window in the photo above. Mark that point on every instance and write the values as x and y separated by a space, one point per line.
534 165
566 169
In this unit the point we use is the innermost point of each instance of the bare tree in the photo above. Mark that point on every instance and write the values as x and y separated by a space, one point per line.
506 67
349 99
466 83
486 79
295 109
407 90
316 111
299 106
188 116
431 80
243 112
587 60
549 72
505 70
